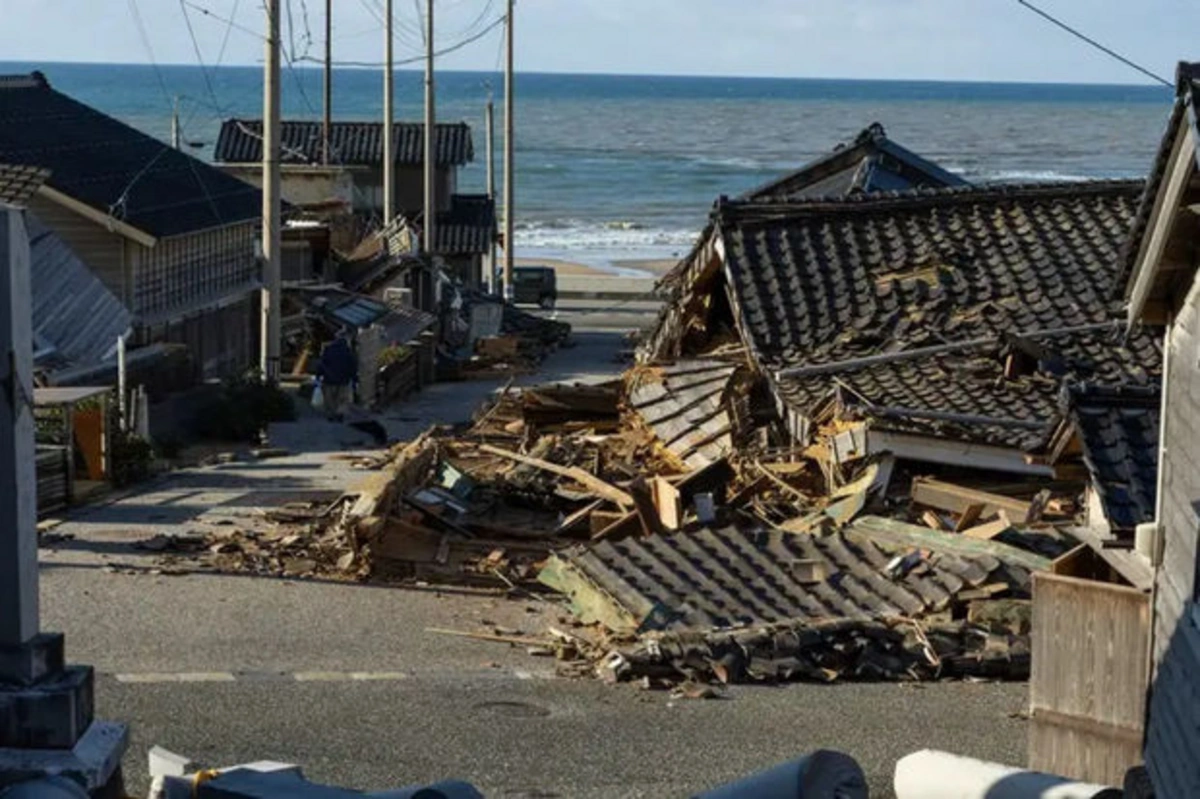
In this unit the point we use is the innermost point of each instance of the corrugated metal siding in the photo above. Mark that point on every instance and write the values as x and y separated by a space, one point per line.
1173 740
727 577
1087 723
102 250
72 308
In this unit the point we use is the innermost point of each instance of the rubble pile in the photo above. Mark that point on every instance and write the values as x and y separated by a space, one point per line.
857 429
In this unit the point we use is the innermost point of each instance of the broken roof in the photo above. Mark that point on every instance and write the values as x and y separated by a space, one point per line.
352 143
1118 430
870 162
1151 273
114 169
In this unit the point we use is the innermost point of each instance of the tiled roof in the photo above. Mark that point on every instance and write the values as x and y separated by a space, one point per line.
1186 107
1118 428
19 183
871 162
964 393
469 227
906 307
114 168
352 143
725 577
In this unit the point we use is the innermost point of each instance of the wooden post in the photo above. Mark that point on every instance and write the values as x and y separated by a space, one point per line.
271 207
430 160
389 157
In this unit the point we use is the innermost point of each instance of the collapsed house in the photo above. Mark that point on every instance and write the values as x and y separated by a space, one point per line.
860 429
938 326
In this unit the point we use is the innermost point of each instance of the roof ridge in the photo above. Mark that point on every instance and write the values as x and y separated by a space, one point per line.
924 195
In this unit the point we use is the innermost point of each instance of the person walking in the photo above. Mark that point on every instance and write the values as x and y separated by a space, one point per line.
337 369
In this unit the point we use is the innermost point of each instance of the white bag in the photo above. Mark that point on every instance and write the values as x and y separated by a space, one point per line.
318 398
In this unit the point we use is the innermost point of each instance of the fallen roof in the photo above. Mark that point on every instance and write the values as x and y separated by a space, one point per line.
1118 430
468 227
352 143
980 392
687 407
730 577
76 319
113 168
871 162
822 281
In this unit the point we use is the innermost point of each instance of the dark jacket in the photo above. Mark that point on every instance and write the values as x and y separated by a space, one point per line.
338 366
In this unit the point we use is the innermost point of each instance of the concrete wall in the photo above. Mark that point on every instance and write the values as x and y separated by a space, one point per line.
302 185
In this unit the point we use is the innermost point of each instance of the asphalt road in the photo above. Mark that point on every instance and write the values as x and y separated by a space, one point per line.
348 681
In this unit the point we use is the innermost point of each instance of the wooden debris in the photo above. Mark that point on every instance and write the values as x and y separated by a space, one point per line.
591 482
957 499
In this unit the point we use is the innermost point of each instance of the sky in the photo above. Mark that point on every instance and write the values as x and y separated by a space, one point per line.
989 40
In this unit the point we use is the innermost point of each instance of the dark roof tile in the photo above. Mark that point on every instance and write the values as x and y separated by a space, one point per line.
114 168
1118 428
353 143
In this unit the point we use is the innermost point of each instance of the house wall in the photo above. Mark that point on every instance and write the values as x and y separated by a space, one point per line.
301 185
101 249
410 189
222 340
180 273
1176 581
1173 735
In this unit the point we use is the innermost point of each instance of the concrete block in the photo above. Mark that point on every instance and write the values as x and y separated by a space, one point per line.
53 714
32 661
91 762
165 763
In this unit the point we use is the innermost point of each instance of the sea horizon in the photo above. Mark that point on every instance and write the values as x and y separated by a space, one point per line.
622 167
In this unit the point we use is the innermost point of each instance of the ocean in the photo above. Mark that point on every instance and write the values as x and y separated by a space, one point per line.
613 168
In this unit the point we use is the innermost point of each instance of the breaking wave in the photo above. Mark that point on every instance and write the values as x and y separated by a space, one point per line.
577 234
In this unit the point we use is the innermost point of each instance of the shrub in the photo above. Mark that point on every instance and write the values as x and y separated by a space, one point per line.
244 408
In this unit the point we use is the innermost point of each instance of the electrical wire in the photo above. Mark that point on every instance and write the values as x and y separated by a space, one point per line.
1107 50
444 51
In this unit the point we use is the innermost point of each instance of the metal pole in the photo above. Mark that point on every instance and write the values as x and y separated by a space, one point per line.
271 244
490 127
389 160
430 135
18 479
122 388
327 127
508 156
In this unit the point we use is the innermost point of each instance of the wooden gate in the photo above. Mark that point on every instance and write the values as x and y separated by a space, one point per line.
1087 689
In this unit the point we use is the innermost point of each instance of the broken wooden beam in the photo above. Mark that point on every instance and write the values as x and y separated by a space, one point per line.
586 479
643 503
958 499
895 534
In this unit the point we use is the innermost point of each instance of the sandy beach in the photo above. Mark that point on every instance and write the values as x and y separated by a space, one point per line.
651 267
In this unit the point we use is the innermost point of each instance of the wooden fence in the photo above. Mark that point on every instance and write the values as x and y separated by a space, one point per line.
1088 684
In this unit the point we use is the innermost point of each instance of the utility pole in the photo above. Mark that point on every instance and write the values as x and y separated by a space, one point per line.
430 135
508 155
271 243
175 123
389 159
490 127
327 127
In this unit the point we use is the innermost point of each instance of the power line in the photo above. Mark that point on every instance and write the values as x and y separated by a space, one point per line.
1079 35
444 51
